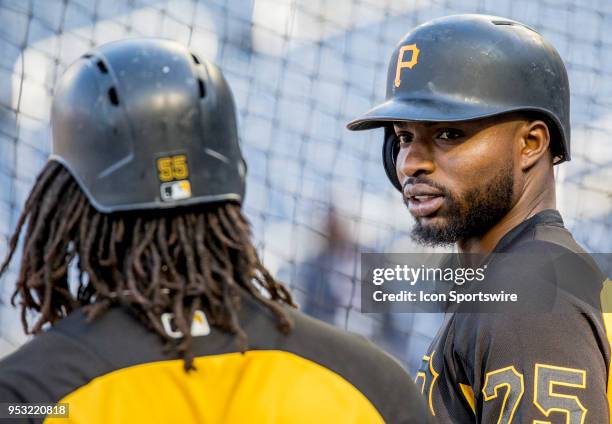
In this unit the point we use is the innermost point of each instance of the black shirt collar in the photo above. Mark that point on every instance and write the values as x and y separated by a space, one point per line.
545 217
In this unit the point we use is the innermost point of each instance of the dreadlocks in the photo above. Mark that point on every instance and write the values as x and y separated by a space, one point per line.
170 261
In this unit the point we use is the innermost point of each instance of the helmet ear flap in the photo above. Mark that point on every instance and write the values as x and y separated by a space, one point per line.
389 152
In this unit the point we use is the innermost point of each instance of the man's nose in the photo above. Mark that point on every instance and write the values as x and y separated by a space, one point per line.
414 160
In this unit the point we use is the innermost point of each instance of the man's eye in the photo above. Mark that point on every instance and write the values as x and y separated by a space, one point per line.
404 138
450 135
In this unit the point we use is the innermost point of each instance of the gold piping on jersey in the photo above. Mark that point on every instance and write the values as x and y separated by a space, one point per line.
468 394
606 305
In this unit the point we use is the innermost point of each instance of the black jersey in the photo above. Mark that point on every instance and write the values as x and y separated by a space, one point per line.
535 367
113 370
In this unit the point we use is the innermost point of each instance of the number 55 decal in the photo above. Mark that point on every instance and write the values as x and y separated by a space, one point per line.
545 398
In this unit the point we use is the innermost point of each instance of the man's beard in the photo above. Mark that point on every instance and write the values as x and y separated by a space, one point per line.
472 215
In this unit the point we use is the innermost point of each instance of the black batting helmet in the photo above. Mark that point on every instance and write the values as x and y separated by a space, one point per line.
465 67
146 124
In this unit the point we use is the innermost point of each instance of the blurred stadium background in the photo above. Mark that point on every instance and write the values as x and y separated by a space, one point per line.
300 69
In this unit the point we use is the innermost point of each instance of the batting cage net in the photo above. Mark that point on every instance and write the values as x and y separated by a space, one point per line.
317 194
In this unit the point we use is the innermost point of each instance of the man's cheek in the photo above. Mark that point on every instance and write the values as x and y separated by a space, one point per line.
451 205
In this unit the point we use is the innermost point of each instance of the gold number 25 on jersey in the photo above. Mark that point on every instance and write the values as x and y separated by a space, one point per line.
508 383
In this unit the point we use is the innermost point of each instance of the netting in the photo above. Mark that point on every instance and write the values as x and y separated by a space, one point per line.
300 69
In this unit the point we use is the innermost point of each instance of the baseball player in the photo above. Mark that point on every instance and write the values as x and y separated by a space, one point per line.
139 278
476 115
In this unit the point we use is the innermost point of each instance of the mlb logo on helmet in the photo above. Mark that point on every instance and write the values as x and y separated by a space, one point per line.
176 190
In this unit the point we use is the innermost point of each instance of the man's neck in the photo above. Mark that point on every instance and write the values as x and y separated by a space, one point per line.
524 209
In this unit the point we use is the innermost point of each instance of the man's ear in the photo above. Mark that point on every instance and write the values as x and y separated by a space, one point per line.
535 142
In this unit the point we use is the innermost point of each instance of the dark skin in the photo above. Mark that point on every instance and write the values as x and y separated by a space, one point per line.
459 156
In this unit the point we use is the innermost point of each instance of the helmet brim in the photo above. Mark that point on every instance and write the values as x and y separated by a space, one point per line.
424 110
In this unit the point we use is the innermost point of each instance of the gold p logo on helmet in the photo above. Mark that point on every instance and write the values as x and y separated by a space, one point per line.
401 63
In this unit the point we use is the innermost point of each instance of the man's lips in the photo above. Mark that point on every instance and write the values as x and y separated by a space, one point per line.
423 200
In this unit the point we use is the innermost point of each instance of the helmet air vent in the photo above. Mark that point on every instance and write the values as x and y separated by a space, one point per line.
112 95
201 88
102 67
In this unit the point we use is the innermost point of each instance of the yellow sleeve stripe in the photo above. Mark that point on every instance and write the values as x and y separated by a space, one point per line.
468 394
606 305
254 387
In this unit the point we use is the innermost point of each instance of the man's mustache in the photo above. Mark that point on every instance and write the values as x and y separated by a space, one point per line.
426 181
